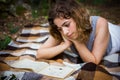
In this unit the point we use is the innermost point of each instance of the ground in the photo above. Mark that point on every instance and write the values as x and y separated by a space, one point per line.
12 25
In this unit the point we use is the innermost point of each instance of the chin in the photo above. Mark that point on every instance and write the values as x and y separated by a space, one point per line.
74 38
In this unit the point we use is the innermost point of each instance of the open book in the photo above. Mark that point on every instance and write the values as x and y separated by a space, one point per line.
43 68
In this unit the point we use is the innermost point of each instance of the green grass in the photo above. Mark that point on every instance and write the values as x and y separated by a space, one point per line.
4 42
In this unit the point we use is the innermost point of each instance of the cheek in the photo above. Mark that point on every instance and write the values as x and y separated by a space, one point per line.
73 28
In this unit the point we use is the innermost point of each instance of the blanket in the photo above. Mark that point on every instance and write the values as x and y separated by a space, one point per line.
26 45
91 71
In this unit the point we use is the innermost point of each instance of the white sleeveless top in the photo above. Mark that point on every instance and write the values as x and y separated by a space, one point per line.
114 41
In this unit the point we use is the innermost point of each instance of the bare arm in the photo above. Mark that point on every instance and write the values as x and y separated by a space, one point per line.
51 48
99 46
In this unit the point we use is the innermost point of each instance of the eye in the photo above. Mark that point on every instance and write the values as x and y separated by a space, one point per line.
67 24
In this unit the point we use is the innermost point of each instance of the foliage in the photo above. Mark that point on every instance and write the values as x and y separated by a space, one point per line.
39 7
35 6
4 1
46 17
99 2
10 77
20 9
45 7
94 2
35 13
12 29
4 42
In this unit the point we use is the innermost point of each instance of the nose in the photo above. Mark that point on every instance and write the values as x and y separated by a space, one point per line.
65 30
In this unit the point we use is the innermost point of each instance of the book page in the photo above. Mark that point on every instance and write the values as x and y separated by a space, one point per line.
57 71
28 64
42 68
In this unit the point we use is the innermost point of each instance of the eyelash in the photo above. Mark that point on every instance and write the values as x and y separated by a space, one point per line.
67 24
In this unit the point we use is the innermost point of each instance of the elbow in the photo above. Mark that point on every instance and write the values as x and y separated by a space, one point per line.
96 61
39 55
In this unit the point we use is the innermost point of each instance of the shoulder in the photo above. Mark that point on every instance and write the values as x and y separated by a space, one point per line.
102 21
102 24
97 19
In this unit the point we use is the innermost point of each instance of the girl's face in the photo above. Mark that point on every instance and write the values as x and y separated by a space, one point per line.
67 27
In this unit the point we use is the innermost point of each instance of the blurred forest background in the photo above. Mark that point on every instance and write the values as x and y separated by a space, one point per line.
15 14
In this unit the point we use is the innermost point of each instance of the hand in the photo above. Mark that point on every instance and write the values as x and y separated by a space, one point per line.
67 42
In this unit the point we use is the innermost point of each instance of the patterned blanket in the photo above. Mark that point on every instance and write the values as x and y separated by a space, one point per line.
31 38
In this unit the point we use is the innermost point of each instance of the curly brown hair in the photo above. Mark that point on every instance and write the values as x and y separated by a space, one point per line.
70 9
